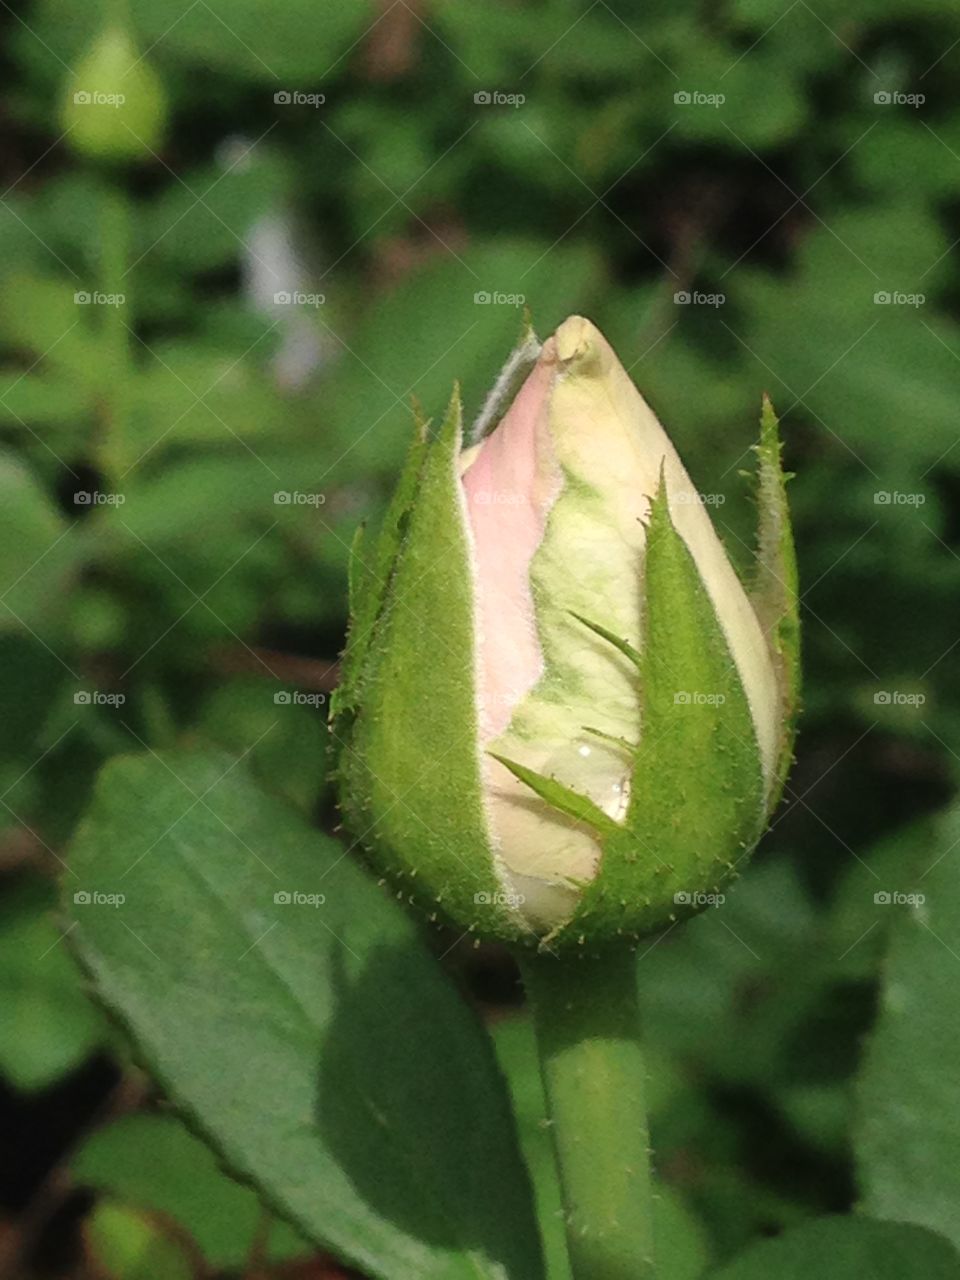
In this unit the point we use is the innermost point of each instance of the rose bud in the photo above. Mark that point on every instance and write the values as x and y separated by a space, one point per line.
562 716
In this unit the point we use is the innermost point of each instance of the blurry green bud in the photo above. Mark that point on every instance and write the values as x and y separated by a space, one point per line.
124 1243
115 107
562 715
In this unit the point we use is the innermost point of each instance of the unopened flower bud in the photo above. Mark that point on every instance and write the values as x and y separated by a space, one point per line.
562 714
115 107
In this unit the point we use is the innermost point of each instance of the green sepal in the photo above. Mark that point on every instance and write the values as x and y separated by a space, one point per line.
626 649
410 767
370 568
773 589
563 798
696 798
359 577
629 747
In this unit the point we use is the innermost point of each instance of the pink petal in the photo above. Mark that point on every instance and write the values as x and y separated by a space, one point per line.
510 486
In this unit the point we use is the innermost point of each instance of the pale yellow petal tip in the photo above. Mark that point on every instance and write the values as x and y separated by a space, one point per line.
581 348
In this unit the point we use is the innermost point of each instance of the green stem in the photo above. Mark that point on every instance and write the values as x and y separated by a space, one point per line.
116 13
588 1036
114 254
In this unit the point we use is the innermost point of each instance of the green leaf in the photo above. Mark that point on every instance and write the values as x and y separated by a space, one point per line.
46 1026
294 1033
40 314
760 938
300 47
896 356
37 548
287 729
907 1141
846 1249
299 39
181 1181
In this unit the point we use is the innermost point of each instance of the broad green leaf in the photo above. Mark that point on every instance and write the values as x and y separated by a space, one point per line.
849 1248
182 1181
858 933
862 364
753 102
291 1010
907 1139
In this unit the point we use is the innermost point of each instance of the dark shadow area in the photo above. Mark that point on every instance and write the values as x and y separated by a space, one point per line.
412 1119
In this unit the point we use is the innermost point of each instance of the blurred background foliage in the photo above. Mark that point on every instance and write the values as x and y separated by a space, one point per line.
388 213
